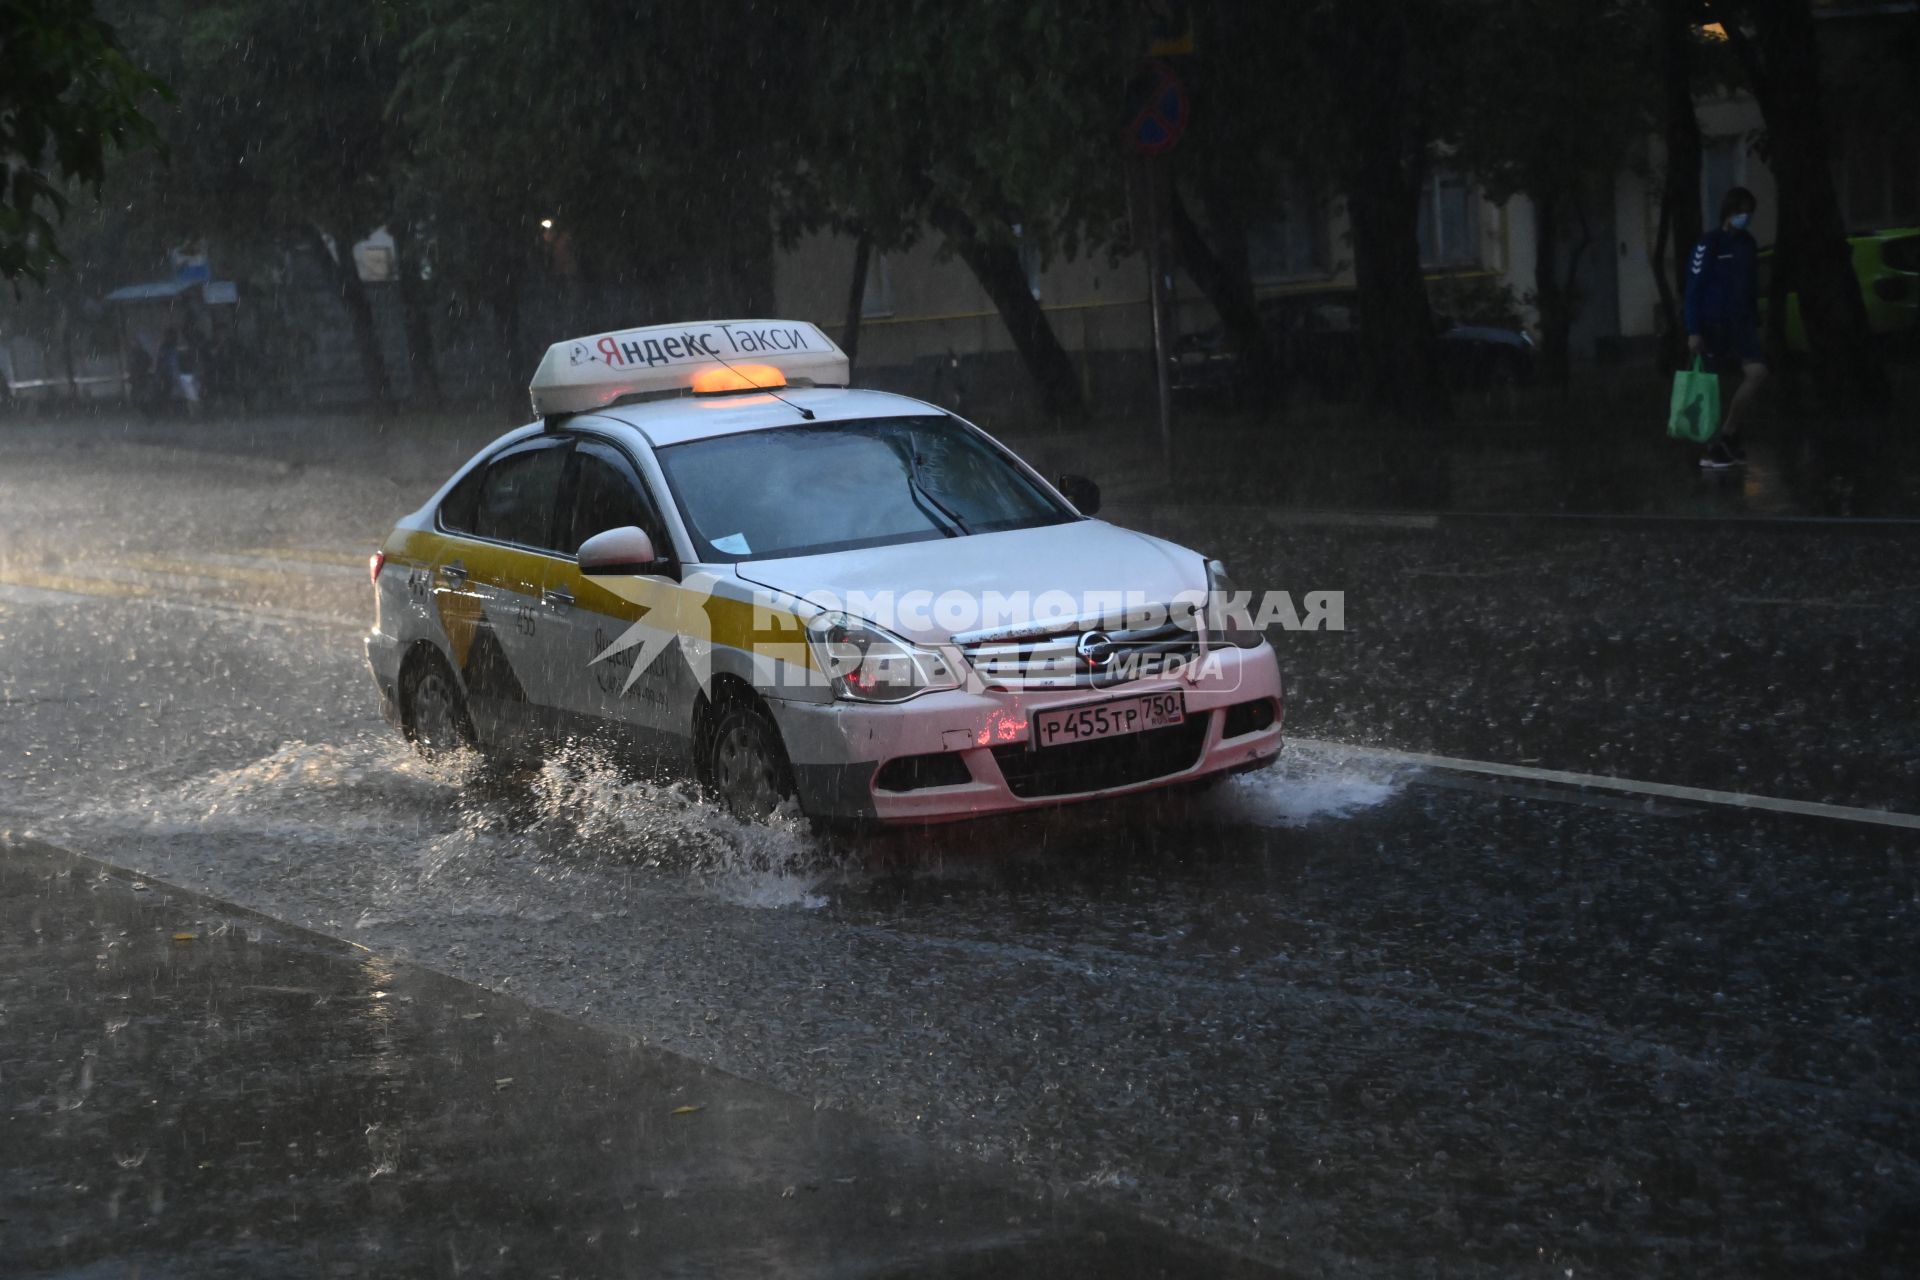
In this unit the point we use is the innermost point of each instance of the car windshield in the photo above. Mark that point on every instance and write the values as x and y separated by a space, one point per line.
834 486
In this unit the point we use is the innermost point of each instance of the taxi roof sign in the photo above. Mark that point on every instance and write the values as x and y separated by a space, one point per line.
581 374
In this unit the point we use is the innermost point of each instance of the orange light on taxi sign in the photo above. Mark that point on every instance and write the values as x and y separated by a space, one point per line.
738 377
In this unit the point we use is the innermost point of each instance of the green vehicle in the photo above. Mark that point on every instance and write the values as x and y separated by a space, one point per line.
1887 264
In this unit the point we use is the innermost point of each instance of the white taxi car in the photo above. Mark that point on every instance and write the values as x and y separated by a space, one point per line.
711 554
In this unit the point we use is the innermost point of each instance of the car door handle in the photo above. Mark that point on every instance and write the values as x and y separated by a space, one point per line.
558 598
454 571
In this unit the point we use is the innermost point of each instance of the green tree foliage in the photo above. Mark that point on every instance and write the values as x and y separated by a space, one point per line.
1236 167
1387 76
995 123
69 97
672 144
650 137
279 134
1585 71
1344 97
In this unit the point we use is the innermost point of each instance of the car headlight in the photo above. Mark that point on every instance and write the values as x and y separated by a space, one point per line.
864 663
1229 616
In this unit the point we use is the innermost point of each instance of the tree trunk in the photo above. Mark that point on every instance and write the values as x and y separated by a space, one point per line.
1783 63
422 362
1554 323
1670 348
1399 368
67 363
997 268
856 298
514 370
338 258
1680 194
1553 283
1223 277
1398 364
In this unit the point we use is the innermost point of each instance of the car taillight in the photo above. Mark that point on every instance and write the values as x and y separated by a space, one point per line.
376 562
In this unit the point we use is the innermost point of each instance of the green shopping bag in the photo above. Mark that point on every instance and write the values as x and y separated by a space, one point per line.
1695 412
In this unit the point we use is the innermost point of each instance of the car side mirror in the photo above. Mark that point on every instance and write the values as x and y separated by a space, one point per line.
623 551
1083 493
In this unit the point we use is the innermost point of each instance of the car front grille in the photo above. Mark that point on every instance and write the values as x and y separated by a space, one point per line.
1055 661
1077 767
916 773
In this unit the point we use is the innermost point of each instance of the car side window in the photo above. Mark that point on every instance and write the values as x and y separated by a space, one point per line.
458 509
518 497
608 495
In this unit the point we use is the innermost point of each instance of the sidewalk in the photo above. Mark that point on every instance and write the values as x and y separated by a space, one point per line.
191 1089
1600 451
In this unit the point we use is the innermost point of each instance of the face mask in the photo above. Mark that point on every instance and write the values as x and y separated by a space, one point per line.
1739 221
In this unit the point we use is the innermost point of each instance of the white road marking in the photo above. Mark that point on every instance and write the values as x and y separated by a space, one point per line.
12 593
1631 786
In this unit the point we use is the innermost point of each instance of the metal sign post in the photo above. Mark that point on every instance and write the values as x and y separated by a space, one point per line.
1157 300
1160 114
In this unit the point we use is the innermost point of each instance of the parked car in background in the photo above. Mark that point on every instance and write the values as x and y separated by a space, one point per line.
1887 264
1484 357
1314 341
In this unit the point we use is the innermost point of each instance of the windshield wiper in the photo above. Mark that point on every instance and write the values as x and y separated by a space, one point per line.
923 498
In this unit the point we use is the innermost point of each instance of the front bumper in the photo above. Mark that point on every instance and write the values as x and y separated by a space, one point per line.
840 750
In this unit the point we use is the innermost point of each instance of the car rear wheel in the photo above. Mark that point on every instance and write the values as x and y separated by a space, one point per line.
433 710
747 765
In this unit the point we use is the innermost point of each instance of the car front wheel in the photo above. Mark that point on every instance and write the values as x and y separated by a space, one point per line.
748 767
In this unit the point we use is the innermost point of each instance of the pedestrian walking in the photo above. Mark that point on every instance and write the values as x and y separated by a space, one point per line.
1723 319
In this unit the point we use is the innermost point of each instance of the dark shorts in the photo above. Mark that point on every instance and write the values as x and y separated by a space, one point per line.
1731 344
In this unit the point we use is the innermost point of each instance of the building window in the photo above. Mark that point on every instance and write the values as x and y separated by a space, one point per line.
1293 241
876 300
1723 166
1449 221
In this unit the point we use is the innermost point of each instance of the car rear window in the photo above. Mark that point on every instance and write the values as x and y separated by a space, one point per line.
456 512
518 497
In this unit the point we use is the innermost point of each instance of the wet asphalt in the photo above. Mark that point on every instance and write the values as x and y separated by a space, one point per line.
199 1090
1346 1018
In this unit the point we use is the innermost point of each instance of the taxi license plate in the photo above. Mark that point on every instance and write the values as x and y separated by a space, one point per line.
1108 719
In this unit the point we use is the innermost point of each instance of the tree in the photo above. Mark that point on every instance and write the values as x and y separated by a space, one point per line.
1572 102
69 97
1235 164
1378 66
1777 45
280 133
1677 25
656 169
995 123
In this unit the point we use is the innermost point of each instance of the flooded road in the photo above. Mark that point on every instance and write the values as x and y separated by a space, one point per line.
1344 1017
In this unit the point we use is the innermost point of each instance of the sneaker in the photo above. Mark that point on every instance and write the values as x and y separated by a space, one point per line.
1717 457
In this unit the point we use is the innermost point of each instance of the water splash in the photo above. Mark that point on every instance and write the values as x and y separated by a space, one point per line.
448 828
581 797
1309 784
